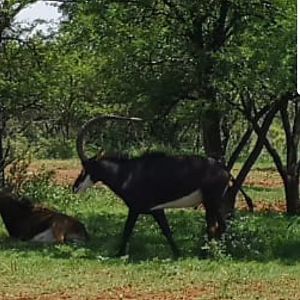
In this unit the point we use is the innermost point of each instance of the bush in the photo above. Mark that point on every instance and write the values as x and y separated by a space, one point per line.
55 149
247 238
260 237
19 175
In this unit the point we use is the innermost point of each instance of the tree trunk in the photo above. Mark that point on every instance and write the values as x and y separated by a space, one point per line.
212 134
1 162
291 188
2 152
290 172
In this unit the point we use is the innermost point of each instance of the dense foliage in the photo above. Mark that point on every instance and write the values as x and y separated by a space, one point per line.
212 77
206 76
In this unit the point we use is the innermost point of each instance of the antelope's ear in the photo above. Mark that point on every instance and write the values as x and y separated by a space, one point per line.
100 154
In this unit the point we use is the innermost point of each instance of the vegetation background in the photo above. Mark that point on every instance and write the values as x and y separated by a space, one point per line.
215 78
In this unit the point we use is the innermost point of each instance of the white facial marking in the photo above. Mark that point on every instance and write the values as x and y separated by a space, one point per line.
44 237
190 200
86 183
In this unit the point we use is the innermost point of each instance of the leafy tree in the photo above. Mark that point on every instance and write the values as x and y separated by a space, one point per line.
167 58
195 70
265 86
8 11
159 53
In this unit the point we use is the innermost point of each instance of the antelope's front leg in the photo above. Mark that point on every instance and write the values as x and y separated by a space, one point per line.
211 224
129 225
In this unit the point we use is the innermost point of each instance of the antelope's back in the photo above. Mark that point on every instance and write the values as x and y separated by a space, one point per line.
164 178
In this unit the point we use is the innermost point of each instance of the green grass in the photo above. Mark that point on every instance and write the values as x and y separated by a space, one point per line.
258 260
266 194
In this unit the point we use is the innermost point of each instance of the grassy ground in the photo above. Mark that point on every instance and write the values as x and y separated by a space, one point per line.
258 260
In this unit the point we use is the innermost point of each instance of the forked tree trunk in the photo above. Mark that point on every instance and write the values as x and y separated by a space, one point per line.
261 137
289 172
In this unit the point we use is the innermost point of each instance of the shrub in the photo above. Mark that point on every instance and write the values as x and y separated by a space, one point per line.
54 148
246 238
19 175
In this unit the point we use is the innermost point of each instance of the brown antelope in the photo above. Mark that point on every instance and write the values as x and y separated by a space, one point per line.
30 222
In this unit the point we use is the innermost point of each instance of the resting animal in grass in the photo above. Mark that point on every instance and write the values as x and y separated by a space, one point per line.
30 222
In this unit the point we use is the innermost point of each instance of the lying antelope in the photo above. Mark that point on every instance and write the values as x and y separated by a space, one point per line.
30 222
154 181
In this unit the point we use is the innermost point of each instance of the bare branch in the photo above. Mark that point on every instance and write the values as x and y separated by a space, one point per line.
279 104
236 153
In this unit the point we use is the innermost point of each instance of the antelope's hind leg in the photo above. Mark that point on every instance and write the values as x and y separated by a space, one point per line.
161 219
221 220
211 223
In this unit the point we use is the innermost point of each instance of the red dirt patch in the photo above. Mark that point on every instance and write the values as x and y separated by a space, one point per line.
66 177
43 296
264 179
279 289
128 293
125 293
261 206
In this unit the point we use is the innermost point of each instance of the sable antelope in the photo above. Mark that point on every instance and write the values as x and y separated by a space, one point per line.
30 222
154 181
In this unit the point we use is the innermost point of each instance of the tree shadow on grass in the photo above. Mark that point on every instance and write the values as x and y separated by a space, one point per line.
260 237
289 252
146 243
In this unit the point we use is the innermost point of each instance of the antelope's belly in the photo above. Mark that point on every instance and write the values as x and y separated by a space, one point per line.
193 199
76 237
44 236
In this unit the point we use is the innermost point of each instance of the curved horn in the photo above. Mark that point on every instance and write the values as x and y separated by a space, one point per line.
88 124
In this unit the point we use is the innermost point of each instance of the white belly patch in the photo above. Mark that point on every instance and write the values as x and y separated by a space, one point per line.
190 200
44 237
